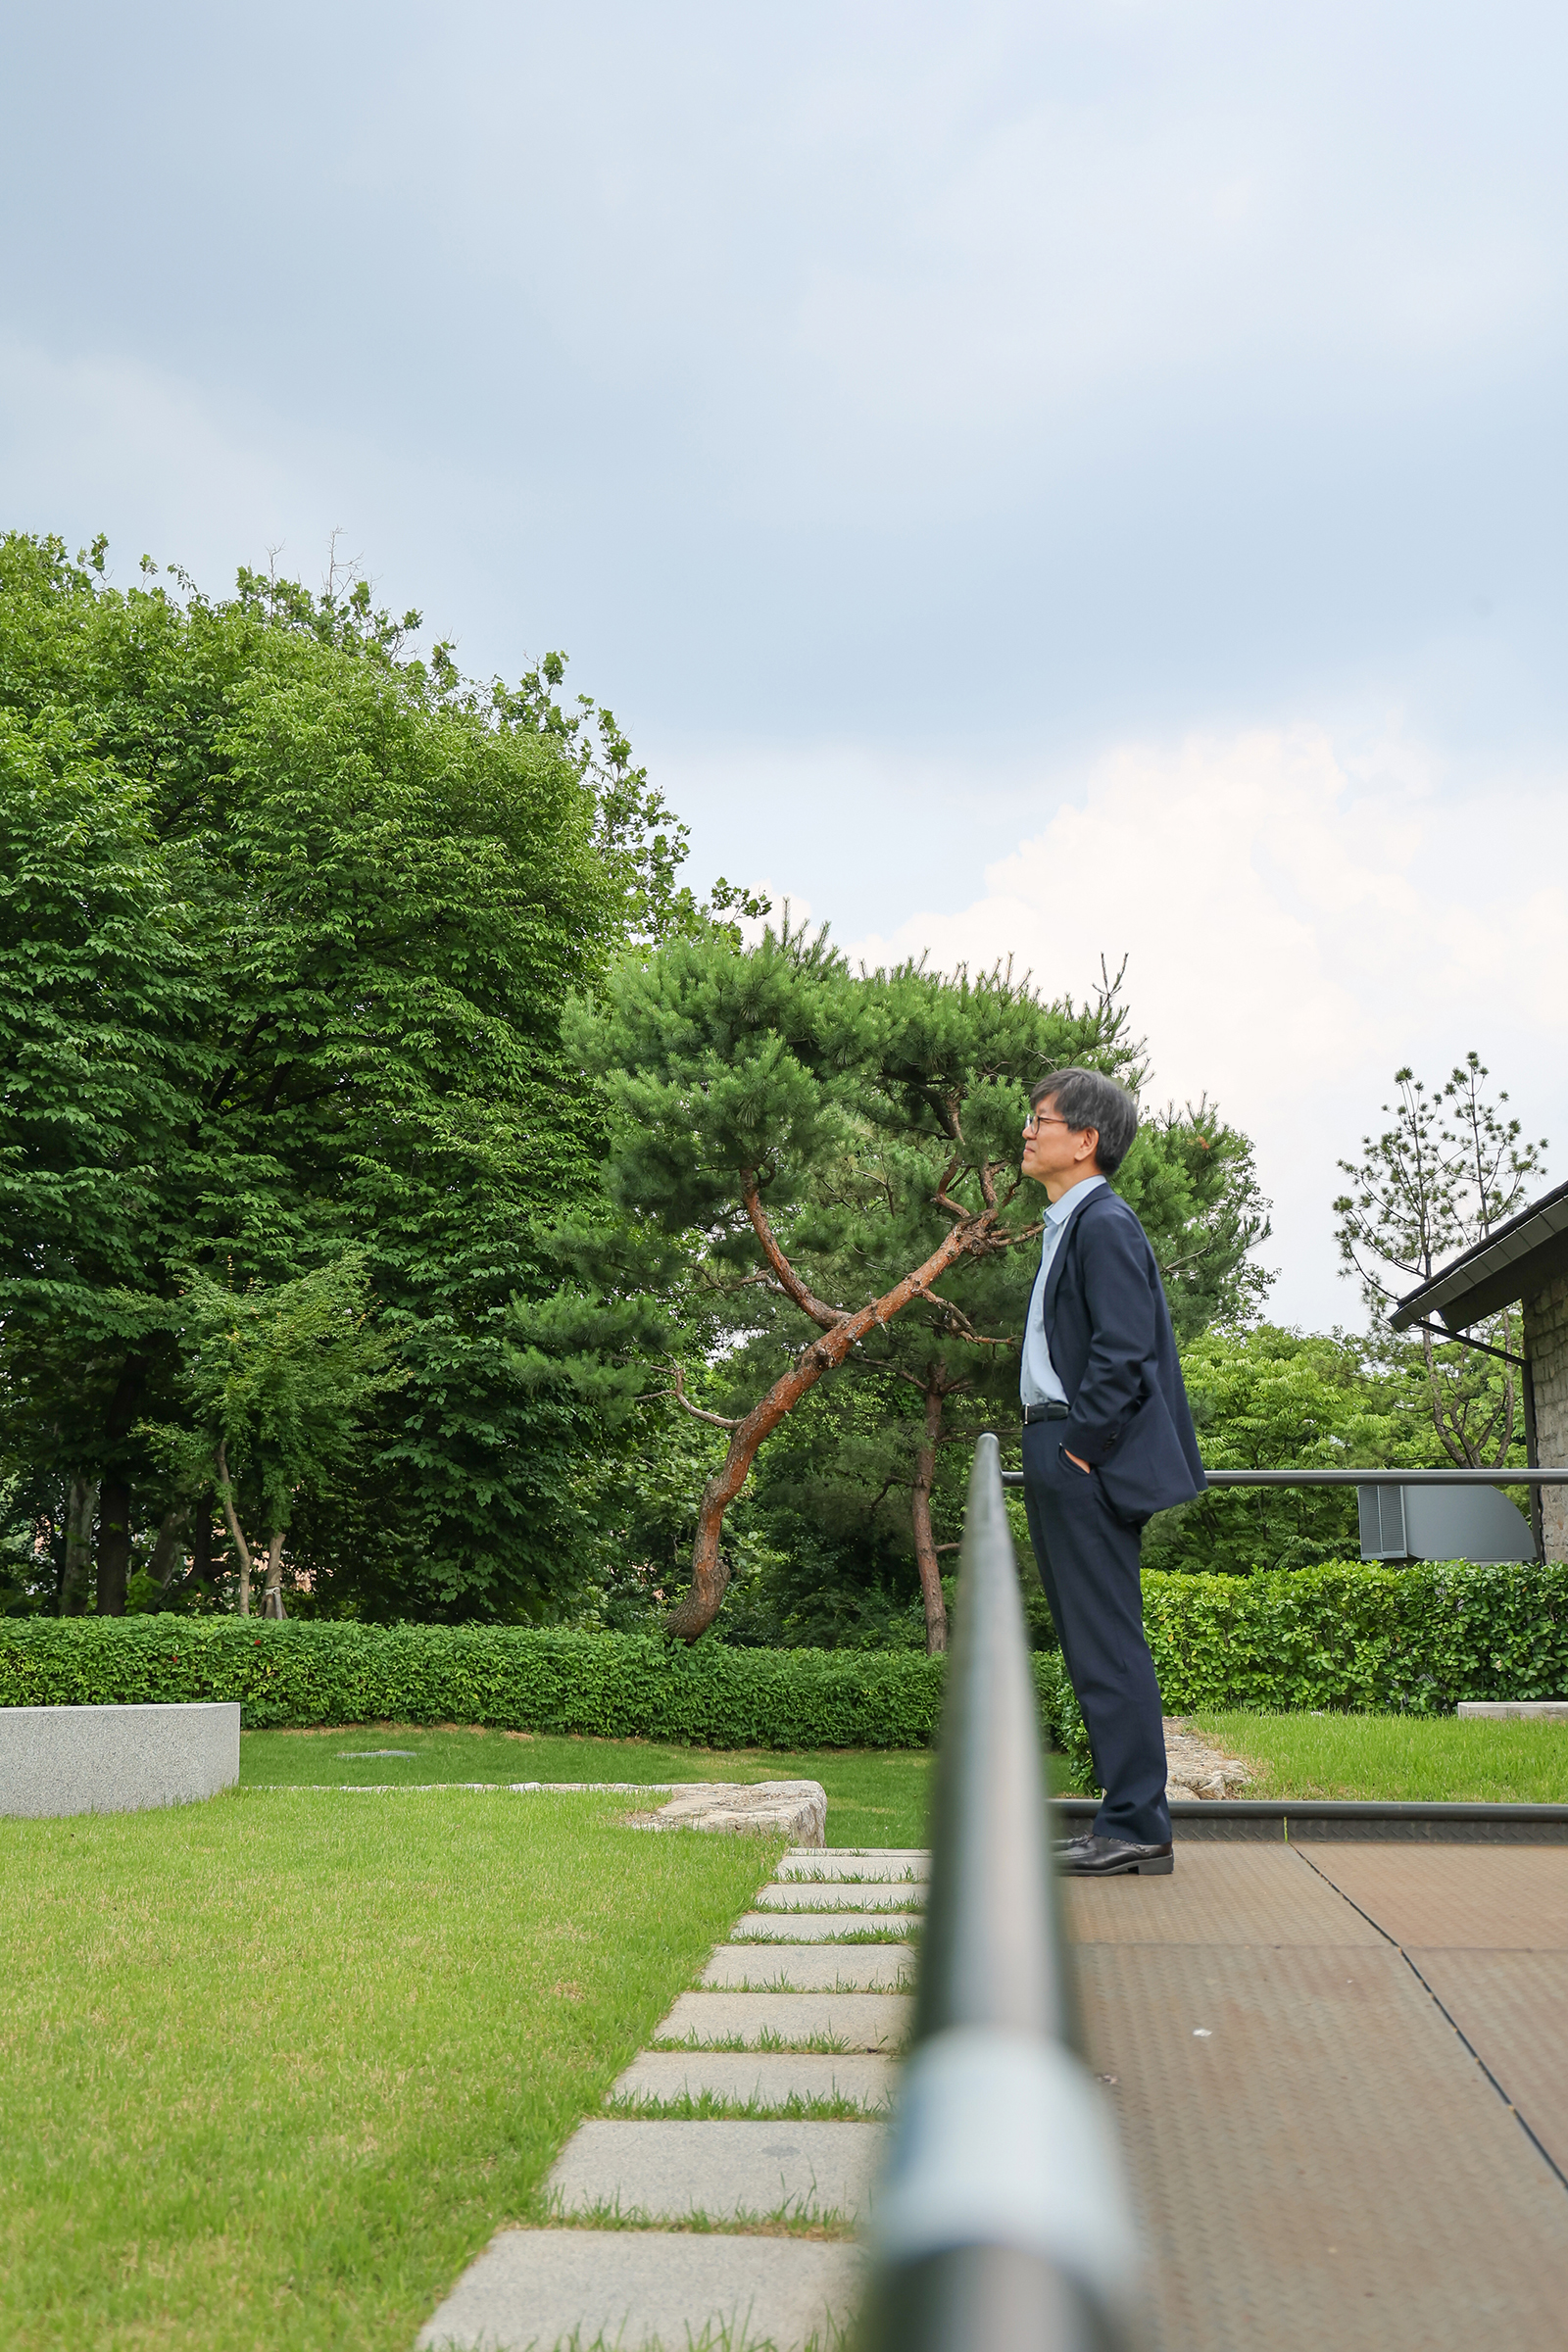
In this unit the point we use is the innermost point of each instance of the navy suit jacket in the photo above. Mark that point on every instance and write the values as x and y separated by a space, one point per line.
1110 1338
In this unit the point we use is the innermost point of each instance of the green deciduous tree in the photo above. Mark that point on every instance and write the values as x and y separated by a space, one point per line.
287 917
1267 1398
274 1379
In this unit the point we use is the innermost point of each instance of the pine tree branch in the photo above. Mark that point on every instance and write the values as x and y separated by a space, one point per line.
829 1317
678 1393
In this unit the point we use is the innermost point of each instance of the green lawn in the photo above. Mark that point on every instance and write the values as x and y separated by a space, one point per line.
1407 1758
876 1797
276 2065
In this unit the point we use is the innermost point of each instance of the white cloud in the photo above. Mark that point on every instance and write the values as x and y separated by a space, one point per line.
1298 922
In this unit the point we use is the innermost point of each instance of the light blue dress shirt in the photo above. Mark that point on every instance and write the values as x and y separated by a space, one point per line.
1037 1374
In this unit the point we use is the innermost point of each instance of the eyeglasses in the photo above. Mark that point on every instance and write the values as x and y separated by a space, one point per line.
1037 1119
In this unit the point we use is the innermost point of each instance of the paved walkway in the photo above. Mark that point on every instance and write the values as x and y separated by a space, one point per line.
784 2053
1342 2074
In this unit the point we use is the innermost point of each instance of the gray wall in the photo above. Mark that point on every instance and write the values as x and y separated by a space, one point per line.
1547 1346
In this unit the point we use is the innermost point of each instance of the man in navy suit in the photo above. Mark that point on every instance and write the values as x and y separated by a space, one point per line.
1107 1440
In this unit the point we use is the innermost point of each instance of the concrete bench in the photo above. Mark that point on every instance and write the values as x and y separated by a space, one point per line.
56 1760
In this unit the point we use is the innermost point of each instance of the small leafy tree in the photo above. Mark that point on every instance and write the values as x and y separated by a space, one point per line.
275 1378
799 1156
1451 1166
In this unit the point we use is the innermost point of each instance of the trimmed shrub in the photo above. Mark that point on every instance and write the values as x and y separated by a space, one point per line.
1354 1637
611 1685
1359 1637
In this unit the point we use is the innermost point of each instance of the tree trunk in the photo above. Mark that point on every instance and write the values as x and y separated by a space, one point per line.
201 1542
82 1502
166 1552
925 1550
272 1588
709 1569
242 1550
114 1546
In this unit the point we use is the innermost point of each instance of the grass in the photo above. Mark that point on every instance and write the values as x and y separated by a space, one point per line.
275 2070
1398 1758
875 1796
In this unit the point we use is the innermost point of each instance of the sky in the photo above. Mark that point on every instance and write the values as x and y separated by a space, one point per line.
1039 481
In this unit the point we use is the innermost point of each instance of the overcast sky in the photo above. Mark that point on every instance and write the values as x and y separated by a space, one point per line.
1031 480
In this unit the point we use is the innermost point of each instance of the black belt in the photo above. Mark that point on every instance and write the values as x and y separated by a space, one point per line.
1044 1412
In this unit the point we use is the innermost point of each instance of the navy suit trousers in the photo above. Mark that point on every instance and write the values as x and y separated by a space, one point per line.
1088 1562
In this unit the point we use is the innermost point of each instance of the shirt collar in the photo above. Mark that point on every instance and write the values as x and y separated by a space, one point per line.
1061 1210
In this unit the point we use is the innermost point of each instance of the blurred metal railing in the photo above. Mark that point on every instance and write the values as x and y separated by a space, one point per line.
1002 2225
1384 1477
1367 1478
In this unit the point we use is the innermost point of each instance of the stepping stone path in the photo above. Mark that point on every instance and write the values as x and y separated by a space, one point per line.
811 2013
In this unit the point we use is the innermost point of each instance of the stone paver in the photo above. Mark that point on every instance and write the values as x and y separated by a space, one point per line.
760 1807
632 2288
816 1895
853 2021
667 2171
848 1862
786 1928
813 1968
535 2289
769 2078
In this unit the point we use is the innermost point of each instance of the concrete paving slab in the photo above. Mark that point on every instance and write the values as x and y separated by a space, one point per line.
533 2290
766 2077
1249 1894
816 1895
1483 1897
813 1968
1512 2008
1317 2159
667 2171
843 1862
853 2021
783 1929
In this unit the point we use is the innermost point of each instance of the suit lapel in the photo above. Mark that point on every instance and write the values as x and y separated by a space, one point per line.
1053 1277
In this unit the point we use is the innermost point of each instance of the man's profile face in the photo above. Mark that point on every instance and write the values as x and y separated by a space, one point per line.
1056 1154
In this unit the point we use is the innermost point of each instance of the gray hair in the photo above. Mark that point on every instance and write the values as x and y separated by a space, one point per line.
1087 1099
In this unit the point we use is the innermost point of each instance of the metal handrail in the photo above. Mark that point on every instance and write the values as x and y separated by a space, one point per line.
1002 2225
1367 1478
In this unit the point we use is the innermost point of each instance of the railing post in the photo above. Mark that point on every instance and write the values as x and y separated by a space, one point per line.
1003 2223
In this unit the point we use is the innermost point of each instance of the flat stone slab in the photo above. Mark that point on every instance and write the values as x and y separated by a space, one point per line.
813 1968
812 1895
761 1808
842 1862
786 1927
766 2078
853 2021
61 1760
1552 1710
667 2171
533 2290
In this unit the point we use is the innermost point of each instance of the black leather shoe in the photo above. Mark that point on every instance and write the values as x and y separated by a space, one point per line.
1092 1857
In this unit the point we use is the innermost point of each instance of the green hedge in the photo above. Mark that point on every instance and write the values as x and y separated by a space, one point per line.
1357 1638
1352 1638
613 1685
